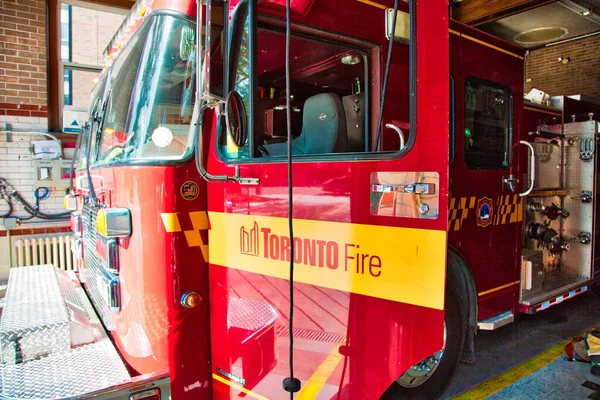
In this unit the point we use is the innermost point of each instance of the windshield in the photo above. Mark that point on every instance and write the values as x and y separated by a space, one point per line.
151 95
95 106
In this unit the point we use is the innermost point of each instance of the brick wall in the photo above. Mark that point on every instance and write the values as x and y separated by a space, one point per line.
23 99
23 58
580 76
23 111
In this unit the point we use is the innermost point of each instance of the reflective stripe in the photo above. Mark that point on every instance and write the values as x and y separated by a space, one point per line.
481 42
372 3
193 237
498 288
171 222
393 263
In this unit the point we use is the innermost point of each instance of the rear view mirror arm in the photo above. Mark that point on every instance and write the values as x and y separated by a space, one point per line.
198 124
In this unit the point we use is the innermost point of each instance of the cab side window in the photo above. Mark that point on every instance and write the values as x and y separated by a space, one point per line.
329 96
488 125
96 101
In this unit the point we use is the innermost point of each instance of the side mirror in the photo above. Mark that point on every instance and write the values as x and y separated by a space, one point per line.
236 118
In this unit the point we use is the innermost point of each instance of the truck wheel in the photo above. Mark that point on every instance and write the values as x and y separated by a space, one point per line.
429 378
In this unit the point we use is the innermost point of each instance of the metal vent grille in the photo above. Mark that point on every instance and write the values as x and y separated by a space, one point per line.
319 336
93 273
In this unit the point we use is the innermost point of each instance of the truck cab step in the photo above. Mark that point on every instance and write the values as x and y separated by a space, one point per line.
496 321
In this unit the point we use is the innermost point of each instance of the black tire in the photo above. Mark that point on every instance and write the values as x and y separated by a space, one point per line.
456 321
595 288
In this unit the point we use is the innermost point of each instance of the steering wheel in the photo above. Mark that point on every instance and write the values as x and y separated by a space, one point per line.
263 151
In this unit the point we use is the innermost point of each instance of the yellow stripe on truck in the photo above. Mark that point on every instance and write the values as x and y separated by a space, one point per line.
399 264
193 237
171 222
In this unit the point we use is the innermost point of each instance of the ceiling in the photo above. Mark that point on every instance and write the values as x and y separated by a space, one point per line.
531 23
528 23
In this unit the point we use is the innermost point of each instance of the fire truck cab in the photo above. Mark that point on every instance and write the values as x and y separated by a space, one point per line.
422 209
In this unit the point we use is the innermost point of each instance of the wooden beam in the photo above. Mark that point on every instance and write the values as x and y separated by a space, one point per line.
477 12
124 4
55 72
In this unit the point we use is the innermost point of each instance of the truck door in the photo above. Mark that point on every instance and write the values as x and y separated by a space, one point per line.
485 215
369 220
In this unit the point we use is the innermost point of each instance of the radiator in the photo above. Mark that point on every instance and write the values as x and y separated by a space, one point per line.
51 248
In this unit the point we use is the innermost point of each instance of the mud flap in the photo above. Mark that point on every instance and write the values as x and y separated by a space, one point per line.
468 351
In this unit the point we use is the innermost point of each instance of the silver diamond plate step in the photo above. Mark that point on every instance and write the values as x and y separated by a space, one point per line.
35 315
53 344
496 321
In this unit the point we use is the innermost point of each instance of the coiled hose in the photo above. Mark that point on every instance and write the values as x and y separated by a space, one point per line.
11 194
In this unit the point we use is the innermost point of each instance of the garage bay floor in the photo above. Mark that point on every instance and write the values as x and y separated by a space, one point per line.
525 360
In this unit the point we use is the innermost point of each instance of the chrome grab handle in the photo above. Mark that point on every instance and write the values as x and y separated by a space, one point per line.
531 168
417 188
399 132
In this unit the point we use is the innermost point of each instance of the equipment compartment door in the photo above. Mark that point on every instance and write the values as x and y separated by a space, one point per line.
485 210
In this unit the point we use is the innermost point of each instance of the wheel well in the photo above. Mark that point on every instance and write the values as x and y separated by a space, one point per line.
459 272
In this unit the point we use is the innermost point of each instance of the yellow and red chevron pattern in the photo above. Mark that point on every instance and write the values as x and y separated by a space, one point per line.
199 220
509 208
459 211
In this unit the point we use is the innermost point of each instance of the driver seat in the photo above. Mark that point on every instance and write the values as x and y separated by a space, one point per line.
323 128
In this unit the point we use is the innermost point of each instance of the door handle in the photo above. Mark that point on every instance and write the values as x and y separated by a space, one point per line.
531 168
510 183
417 188
399 132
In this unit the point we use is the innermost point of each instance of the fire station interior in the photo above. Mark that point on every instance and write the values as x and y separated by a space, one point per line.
522 163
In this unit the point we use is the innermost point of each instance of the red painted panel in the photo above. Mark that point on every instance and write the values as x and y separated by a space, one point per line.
153 331
490 247
185 7
379 338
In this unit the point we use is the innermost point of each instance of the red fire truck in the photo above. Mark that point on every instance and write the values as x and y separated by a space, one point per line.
418 214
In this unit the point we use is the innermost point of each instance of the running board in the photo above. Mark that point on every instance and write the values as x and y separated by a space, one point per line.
496 321
533 308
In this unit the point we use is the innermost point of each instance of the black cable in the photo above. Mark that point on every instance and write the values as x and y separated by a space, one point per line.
37 207
8 202
290 384
16 196
385 78
344 367
32 211
38 197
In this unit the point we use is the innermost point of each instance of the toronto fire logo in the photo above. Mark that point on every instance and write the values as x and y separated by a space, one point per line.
328 254
484 211
249 240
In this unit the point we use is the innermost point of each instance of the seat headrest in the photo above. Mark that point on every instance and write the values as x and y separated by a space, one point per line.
323 126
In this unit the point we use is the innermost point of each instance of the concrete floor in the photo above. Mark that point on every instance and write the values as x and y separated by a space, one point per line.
528 336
